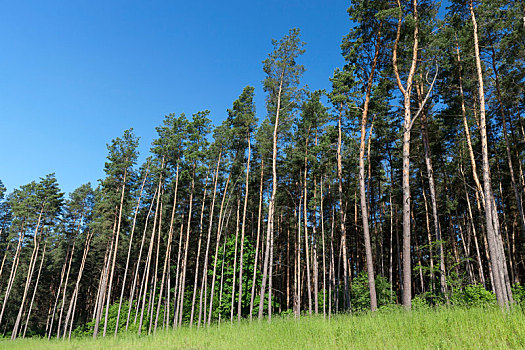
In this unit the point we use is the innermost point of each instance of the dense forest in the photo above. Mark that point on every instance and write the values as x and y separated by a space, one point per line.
403 182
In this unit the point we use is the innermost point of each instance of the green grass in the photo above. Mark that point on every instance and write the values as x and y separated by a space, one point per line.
445 328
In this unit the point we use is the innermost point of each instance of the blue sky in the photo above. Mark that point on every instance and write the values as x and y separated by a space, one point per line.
76 74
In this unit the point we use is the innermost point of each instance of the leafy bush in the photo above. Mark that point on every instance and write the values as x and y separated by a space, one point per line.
518 293
427 300
361 293
472 295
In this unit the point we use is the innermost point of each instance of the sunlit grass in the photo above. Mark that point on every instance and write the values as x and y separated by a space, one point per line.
445 328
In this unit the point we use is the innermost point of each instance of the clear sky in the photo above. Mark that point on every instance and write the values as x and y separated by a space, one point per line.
76 74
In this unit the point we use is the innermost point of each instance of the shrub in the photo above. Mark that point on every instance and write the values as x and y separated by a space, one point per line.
472 295
518 293
361 293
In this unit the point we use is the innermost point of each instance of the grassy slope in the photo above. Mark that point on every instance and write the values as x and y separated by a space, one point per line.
476 328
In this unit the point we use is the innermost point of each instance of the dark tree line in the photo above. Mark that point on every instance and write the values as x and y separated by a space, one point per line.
407 174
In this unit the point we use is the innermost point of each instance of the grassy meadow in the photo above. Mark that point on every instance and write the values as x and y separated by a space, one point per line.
444 328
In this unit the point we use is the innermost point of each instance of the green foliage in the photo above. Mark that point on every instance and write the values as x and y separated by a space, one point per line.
361 293
518 293
224 306
473 295
427 300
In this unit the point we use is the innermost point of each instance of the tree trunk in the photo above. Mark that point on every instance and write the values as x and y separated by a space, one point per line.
306 248
34 290
14 268
219 229
64 291
517 193
136 274
129 249
196 279
108 301
32 263
495 254
246 192
271 204
70 316
323 249
148 259
342 215
432 187
362 189
235 259
204 283
407 125
185 260
259 218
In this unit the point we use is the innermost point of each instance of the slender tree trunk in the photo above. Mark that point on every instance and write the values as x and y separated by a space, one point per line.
271 204
429 235
196 279
108 300
362 189
185 260
204 283
14 268
148 259
259 218
407 125
151 303
35 289
270 278
99 305
314 253
64 291
298 249
4 257
32 263
332 285
129 250
136 274
323 249
306 248
432 187
70 316
235 260
219 229
341 213
517 193
495 258
243 227
222 278
176 293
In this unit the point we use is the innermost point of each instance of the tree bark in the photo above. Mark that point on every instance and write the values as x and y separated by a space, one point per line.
271 204
129 249
219 229
342 215
35 289
432 187
196 279
243 227
204 283
407 124
362 189
259 218
495 258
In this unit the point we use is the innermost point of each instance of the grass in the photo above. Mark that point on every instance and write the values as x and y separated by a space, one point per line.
444 328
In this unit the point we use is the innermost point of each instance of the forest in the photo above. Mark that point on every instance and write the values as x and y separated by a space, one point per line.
403 184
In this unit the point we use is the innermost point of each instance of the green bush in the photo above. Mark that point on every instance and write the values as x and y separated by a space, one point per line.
472 295
361 293
518 293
